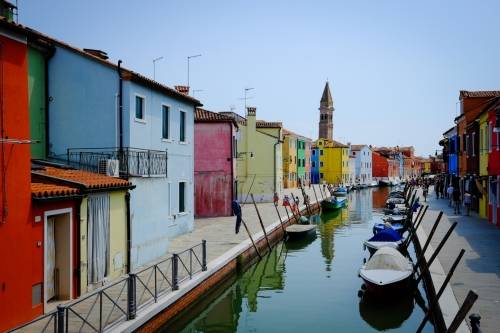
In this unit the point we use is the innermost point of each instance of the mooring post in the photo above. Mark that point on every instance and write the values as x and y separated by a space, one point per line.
317 201
287 215
321 192
260 221
204 255
297 205
462 312
431 234
436 252
61 312
131 293
435 301
279 216
250 235
304 196
175 272
413 228
475 323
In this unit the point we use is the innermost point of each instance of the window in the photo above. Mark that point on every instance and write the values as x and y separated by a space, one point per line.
313 164
314 152
139 107
235 147
182 197
489 137
321 175
165 111
321 152
320 164
182 124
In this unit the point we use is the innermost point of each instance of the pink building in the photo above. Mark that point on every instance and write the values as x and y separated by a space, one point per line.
214 163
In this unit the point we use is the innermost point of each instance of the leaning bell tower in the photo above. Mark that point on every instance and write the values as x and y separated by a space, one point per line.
326 114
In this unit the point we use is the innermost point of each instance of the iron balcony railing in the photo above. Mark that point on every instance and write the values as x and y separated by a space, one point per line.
124 162
119 301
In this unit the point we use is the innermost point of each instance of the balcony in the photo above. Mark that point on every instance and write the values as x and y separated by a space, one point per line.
116 162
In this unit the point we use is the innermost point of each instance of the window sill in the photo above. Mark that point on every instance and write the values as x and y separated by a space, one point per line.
183 142
182 214
141 121
167 140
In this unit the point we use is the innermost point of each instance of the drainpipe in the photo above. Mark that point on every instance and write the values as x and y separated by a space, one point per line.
78 248
120 102
127 205
275 145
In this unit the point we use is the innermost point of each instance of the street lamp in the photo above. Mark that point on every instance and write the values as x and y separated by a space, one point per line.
188 59
154 66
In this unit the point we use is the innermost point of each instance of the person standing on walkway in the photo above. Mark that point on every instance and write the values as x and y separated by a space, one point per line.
425 191
456 200
467 203
449 192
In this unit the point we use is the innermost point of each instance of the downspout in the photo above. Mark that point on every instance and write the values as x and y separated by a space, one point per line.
120 103
275 180
78 249
47 101
129 241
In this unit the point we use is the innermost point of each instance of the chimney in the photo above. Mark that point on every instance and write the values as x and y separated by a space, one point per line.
182 89
251 111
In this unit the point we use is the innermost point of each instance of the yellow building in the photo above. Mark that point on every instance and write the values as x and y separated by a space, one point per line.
289 159
333 161
483 163
259 168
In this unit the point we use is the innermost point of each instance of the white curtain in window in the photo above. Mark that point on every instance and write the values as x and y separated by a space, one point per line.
98 236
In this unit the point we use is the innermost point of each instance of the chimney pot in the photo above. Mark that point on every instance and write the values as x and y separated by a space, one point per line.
182 89
251 111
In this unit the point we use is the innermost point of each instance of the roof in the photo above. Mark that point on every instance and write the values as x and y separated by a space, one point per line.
268 124
42 188
358 147
126 73
331 144
326 98
479 94
89 180
202 115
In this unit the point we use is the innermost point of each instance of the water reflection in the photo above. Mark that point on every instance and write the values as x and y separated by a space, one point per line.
386 314
326 228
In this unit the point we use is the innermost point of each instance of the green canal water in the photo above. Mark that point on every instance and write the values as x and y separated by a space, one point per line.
308 286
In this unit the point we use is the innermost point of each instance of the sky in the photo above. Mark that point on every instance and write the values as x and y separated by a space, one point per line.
395 67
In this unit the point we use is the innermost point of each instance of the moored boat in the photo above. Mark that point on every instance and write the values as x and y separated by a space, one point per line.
333 203
340 192
373 184
383 183
300 230
387 271
398 227
387 237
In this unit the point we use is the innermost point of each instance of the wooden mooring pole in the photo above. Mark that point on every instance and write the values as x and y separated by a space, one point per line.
317 201
261 223
279 216
413 228
250 235
434 255
462 312
435 301
431 234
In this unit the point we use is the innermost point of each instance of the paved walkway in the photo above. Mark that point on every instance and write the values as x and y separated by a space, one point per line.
219 231
479 269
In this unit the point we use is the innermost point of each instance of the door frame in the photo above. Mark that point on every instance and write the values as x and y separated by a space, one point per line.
46 215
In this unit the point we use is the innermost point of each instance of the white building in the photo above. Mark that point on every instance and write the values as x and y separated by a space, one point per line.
363 164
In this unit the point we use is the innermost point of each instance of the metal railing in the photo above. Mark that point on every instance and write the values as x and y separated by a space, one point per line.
45 323
119 301
133 162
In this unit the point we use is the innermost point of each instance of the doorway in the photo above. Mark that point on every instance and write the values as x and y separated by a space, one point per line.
57 257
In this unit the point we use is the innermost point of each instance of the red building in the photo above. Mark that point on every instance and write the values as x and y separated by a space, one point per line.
380 166
214 163
494 165
18 240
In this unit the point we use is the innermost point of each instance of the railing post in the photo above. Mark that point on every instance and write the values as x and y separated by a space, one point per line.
475 323
61 310
204 255
149 163
166 163
131 301
175 272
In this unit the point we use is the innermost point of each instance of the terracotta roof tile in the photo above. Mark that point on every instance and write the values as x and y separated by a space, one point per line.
89 179
479 93
202 115
358 147
268 124
43 189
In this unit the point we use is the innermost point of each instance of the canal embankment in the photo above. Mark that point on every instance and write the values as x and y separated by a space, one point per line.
226 252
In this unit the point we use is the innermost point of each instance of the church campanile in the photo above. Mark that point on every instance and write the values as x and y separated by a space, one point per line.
326 114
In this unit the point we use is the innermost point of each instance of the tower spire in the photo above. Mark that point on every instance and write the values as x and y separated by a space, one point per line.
326 114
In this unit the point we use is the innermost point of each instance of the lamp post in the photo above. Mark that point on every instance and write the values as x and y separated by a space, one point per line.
154 66
188 60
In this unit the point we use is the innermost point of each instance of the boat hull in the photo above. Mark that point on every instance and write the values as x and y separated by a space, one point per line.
329 206
387 289
374 246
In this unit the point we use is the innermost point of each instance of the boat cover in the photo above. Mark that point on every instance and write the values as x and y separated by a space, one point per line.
386 235
387 258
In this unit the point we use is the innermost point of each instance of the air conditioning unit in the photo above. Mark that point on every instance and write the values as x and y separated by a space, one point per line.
109 167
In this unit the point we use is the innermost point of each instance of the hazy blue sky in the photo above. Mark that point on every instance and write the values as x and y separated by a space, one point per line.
395 67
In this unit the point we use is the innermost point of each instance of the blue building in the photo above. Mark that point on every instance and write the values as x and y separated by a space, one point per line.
452 147
109 119
315 176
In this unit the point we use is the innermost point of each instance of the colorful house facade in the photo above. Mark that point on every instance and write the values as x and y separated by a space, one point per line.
215 151
380 167
290 159
315 179
333 161
259 161
363 168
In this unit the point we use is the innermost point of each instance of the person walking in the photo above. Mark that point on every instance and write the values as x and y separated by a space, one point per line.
467 203
456 200
449 191
425 191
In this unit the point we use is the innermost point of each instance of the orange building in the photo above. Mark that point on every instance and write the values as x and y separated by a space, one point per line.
18 242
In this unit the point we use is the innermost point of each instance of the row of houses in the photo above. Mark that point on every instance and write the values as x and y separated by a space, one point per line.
471 151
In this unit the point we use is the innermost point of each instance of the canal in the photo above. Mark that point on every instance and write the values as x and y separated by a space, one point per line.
310 285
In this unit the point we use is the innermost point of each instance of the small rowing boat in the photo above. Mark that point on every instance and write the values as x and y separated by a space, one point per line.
333 203
300 230
386 237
